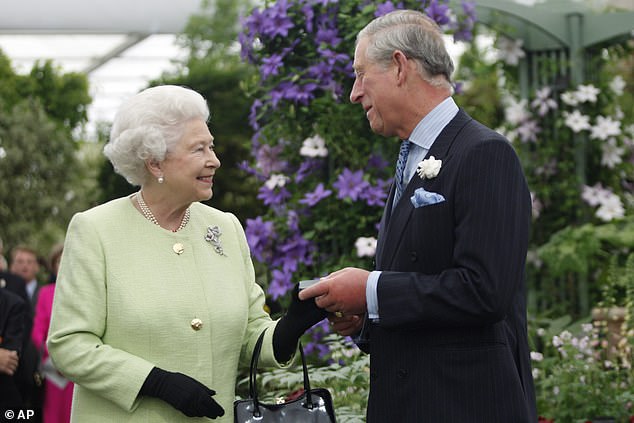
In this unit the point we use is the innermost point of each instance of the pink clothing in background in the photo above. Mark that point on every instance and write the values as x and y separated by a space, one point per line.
57 402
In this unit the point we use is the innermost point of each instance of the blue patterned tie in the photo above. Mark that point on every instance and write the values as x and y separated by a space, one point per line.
400 168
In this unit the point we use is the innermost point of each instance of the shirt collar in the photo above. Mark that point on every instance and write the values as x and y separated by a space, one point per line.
433 123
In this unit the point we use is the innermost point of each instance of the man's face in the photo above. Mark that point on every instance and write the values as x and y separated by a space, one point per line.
25 265
374 88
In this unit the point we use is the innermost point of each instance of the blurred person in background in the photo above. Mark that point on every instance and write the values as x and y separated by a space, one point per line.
13 311
15 318
156 304
3 261
58 391
25 264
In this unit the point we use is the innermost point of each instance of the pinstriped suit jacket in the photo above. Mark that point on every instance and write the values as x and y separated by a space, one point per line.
451 344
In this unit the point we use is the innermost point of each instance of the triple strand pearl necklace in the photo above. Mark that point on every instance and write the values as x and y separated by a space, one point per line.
147 213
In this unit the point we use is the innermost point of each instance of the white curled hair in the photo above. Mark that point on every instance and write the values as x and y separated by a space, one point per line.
148 125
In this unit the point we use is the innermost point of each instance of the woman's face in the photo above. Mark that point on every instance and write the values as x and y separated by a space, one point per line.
190 167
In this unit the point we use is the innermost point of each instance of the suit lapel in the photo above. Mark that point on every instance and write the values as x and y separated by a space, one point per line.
392 226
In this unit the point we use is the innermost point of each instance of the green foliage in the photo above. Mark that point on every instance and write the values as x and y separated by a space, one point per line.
37 170
580 373
10 80
480 96
211 34
63 96
588 252
571 250
40 175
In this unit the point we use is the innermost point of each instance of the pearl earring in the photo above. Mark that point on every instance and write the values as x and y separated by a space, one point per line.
160 179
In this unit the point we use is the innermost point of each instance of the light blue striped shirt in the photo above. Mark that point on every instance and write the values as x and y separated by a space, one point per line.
422 138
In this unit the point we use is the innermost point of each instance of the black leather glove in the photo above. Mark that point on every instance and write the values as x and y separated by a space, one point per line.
301 315
182 392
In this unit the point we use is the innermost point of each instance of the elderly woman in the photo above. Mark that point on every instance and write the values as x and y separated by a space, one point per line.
156 304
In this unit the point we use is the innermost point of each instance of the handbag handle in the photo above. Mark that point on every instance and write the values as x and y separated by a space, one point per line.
253 390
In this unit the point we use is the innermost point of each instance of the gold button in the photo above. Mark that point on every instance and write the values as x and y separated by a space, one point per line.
196 324
178 248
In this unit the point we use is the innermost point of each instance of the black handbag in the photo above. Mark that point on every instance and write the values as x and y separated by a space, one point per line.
313 406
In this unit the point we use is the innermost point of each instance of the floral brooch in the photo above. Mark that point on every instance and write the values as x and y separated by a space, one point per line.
429 168
213 237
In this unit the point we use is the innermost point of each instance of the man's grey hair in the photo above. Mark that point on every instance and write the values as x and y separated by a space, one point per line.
417 36
148 126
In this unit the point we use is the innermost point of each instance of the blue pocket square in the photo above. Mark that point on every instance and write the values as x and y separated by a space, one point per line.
425 198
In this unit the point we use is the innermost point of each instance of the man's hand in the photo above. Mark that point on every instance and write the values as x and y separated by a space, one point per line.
341 292
346 325
8 361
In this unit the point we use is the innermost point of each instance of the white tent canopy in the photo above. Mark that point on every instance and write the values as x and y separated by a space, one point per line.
119 44
92 17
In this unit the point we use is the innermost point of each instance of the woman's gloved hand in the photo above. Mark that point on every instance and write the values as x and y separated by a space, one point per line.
301 315
182 392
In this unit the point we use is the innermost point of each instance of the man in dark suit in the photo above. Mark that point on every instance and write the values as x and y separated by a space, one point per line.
12 334
443 316
25 264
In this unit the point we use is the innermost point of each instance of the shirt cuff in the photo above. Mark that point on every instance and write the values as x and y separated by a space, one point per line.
371 296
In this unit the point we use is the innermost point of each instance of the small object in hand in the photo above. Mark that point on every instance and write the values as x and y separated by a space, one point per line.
338 314
306 283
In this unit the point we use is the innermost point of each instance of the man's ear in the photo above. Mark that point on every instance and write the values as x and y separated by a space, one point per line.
401 63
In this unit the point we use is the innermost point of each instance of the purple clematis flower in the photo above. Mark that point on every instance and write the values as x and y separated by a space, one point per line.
278 22
280 284
438 12
377 161
268 159
272 197
375 195
327 36
304 93
333 57
253 114
384 8
312 198
293 251
350 184
320 71
309 14
260 234
255 23
306 168
271 65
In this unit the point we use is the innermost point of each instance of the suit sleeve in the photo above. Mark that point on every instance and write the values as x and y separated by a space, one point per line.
491 219
13 336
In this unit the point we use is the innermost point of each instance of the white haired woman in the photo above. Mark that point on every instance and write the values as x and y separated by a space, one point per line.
156 304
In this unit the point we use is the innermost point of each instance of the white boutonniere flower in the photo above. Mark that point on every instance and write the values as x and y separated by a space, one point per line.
429 168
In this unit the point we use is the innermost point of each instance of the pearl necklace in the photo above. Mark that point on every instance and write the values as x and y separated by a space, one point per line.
147 213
